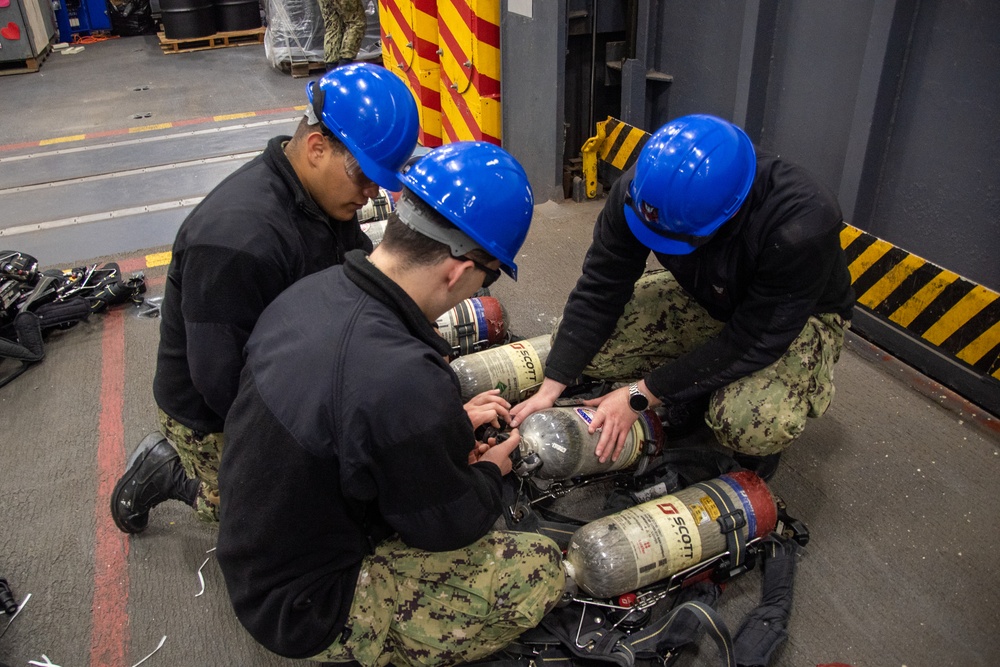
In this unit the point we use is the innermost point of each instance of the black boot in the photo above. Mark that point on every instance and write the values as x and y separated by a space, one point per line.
153 474
764 466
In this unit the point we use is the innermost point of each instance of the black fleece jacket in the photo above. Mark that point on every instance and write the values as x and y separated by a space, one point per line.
766 270
348 427
255 234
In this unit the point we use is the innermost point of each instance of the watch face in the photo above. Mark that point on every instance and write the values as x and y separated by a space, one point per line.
638 402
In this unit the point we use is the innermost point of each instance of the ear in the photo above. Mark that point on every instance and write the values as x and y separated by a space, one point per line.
317 147
457 269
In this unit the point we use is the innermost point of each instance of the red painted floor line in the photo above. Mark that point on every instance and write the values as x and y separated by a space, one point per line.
132 264
109 625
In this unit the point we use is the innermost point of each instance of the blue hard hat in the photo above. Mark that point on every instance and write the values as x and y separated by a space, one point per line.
692 175
373 113
482 190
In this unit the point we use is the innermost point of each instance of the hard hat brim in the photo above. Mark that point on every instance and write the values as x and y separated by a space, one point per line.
384 177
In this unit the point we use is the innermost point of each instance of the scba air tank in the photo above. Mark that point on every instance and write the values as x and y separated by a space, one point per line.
652 541
516 369
474 324
560 438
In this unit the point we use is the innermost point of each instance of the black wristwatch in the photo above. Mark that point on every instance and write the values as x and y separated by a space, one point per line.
637 400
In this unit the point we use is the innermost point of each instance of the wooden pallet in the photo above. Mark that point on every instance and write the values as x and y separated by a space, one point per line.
301 68
27 65
219 40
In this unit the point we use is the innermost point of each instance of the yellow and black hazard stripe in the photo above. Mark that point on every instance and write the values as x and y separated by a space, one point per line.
622 143
954 315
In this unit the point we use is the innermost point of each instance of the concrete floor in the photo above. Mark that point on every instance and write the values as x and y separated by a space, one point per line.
896 481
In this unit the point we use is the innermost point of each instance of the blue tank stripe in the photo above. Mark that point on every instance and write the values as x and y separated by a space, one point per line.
747 507
481 327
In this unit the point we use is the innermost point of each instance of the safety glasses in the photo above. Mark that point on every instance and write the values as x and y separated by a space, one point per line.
491 274
357 176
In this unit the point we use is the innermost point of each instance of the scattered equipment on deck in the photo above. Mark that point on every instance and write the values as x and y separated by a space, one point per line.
34 302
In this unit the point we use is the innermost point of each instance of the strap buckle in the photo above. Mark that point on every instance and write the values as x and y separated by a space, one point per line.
732 521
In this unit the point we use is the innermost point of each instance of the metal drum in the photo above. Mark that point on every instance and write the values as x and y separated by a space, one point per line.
232 15
186 19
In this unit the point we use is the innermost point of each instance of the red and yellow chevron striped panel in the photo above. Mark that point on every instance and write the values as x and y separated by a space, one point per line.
469 38
410 49
448 53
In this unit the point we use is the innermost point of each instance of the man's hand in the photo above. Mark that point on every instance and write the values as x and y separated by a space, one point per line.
487 408
614 418
543 398
478 451
497 453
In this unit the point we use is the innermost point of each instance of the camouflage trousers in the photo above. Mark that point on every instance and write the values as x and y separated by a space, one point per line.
200 454
414 607
759 414
345 23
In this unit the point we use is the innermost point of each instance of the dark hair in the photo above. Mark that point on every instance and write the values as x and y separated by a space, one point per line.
414 248
304 129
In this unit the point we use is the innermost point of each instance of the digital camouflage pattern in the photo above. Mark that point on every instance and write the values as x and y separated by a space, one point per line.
345 23
759 414
764 412
414 607
660 323
200 454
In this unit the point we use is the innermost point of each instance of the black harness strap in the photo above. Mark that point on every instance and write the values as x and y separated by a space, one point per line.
665 638
731 520
62 314
28 349
585 634
716 628
765 628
